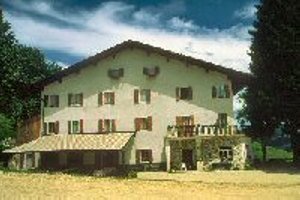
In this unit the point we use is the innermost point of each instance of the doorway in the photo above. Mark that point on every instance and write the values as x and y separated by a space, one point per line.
187 158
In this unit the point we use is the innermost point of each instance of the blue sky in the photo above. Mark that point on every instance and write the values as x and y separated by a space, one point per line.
70 30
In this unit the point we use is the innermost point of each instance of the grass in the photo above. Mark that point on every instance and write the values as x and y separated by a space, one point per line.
272 152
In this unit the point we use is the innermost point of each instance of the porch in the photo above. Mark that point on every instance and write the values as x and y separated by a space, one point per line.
202 147
80 151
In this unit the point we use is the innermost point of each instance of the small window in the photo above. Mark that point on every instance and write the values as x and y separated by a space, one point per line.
184 120
143 123
226 154
109 98
75 100
184 93
51 100
51 126
109 125
221 91
222 120
75 126
145 155
116 73
145 95
151 71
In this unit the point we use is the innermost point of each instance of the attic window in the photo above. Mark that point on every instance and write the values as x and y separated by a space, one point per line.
151 71
116 73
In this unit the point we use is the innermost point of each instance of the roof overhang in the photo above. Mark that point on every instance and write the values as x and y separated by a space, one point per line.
64 142
239 79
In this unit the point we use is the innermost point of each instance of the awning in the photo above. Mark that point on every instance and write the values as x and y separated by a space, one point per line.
61 142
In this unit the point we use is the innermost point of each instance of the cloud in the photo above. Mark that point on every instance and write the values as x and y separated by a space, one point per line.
247 12
113 22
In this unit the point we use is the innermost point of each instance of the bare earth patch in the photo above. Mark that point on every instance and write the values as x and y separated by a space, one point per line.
153 185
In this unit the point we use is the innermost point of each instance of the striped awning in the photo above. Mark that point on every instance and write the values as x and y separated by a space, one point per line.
110 141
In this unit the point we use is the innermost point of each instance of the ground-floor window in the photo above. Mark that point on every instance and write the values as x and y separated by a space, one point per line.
144 155
226 154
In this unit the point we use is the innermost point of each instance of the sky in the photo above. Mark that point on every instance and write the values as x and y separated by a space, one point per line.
68 31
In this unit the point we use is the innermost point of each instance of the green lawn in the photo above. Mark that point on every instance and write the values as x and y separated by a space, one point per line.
272 152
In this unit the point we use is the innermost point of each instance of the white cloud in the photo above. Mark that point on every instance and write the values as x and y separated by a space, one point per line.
104 27
247 12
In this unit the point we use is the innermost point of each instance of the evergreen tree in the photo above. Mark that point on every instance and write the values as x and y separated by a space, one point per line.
273 96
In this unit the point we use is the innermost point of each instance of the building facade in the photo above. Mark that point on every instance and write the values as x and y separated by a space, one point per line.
146 90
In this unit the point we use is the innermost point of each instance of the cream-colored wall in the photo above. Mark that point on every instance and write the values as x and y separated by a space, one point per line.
163 108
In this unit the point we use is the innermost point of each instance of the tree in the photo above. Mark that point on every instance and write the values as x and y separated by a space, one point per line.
273 96
20 67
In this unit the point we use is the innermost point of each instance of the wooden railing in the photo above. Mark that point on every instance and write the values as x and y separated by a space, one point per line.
201 130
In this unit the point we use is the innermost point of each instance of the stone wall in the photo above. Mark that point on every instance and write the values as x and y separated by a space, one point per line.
206 150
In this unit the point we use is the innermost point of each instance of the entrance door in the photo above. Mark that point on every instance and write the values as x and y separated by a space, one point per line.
187 158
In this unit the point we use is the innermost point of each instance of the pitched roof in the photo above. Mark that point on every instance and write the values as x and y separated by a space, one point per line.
110 141
239 78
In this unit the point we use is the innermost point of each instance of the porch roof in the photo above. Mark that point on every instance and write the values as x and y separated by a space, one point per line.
61 142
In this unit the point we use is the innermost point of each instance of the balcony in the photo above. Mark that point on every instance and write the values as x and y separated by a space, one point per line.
201 130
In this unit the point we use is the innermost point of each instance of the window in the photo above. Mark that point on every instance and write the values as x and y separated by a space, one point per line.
221 91
109 125
115 73
75 126
106 98
225 154
184 120
151 71
109 98
143 123
51 100
143 95
144 156
75 100
184 93
51 127
222 120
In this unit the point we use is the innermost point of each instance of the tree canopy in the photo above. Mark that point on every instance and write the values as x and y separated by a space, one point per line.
273 96
20 67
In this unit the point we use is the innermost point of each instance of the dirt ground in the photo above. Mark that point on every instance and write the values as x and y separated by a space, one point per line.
153 185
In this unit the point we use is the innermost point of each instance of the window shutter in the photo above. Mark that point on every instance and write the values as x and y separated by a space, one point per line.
113 98
56 127
137 156
114 125
149 123
178 121
190 93
121 72
81 126
69 99
150 155
214 92
57 102
148 97
157 70
192 119
177 93
69 127
137 124
227 91
45 128
100 125
136 96
100 99
46 99
81 99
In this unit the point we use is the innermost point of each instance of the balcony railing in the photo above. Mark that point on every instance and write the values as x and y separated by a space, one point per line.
201 130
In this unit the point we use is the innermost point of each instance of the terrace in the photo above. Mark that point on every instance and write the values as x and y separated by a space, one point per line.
185 131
